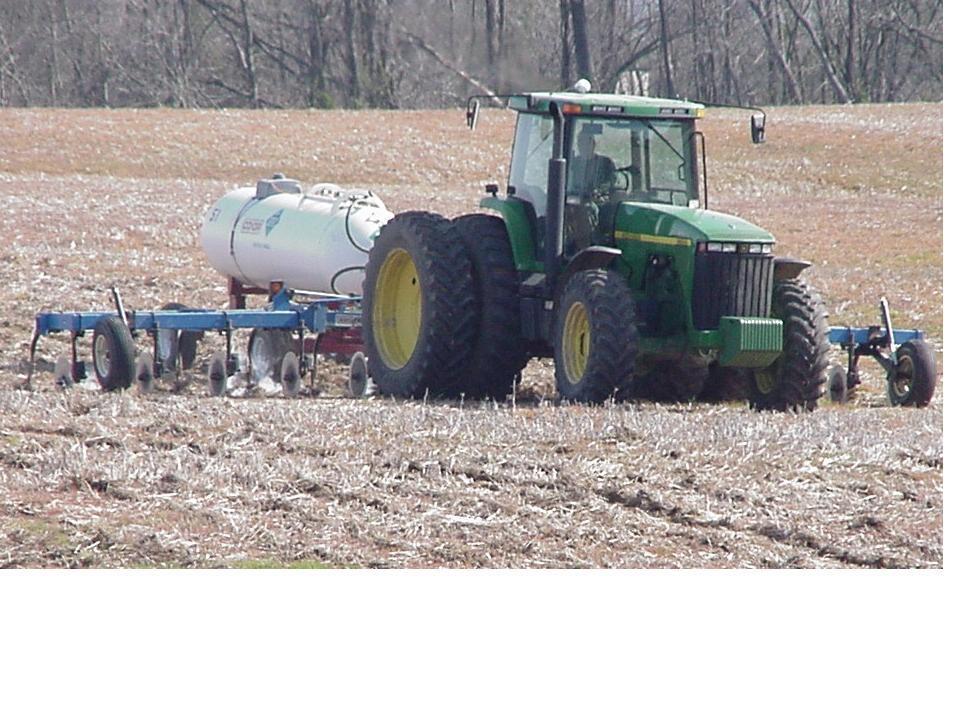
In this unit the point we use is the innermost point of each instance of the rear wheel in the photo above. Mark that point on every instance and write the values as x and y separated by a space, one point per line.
113 354
796 380
595 337
498 354
912 383
419 307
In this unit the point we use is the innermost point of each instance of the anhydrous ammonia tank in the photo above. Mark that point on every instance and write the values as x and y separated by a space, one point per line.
315 240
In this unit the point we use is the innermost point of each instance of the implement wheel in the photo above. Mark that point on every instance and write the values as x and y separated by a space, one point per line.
595 338
113 354
796 380
419 307
499 354
266 349
175 345
912 382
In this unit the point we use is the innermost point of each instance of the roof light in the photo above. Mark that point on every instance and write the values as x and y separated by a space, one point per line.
570 108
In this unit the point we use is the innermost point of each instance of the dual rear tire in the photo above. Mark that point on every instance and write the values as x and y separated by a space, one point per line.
419 307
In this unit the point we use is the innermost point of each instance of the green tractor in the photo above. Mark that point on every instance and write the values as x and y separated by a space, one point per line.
603 256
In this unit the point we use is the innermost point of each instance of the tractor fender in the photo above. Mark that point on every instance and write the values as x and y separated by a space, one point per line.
789 267
592 257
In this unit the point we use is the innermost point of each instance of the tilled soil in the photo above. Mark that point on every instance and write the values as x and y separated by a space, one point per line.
174 478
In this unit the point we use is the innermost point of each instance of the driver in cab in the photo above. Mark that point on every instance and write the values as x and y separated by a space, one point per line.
590 180
590 172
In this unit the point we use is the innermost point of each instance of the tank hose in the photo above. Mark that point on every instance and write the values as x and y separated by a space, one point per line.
347 229
343 272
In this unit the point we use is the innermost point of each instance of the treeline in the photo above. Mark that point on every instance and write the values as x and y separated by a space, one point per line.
432 53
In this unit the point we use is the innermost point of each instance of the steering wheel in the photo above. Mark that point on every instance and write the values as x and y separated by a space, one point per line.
626 172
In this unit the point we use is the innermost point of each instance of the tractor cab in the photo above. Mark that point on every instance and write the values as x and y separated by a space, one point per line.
616 149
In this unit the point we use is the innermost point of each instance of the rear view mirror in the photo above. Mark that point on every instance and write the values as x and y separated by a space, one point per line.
474 107
758 128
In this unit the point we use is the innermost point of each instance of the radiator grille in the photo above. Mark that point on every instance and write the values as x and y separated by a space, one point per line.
731 284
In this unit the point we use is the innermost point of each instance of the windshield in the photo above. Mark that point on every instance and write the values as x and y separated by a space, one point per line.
644 160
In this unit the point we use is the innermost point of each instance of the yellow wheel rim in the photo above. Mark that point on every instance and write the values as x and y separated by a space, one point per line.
396 317
576 342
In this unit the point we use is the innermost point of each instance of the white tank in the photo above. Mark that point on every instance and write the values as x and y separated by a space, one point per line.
315 241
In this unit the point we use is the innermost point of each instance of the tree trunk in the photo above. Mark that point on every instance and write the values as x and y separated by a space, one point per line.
579 25
353 76
564 11
840 93
666 62
776 52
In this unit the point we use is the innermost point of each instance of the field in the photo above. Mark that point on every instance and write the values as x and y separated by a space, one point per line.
90 199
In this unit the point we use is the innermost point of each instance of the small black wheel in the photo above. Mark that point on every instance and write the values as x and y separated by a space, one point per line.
420 311
144 373
113 354
357 382
912 382
796 380
265 353
595 337
838 384
63 372
290 374
217 374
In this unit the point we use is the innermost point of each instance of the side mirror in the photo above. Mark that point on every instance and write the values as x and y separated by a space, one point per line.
758 128
474 107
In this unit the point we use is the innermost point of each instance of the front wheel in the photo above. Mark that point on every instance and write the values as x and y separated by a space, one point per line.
796 380
595 337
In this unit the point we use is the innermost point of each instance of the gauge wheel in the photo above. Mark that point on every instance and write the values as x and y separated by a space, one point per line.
912 381
266 349
113 354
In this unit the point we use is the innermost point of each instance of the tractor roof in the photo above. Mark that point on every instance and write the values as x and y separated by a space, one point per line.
607 104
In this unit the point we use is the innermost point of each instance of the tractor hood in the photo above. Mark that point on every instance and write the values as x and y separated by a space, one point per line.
695 224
